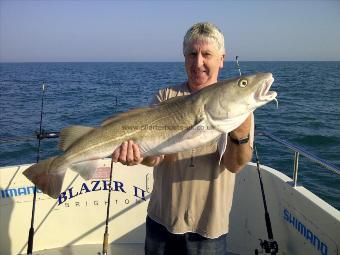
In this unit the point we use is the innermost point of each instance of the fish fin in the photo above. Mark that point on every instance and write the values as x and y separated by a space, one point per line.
46 179
86 169
71 134
222 145
196 130
227 125
137 111
124 115
173 99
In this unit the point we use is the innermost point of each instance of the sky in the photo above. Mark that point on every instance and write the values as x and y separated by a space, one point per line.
103 30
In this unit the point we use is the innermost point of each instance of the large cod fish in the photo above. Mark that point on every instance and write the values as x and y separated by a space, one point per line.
176 125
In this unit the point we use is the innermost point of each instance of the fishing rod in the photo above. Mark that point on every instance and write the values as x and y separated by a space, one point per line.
238 66
106 234
31 231
43 135
271 246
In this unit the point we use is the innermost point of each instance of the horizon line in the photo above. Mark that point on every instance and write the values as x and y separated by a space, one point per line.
154 61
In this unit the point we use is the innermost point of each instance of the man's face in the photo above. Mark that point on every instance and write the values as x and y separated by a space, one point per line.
202 63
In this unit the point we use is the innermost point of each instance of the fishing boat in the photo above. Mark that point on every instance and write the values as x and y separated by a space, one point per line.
272 214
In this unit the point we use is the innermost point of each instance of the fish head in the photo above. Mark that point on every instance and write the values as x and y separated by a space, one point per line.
241 95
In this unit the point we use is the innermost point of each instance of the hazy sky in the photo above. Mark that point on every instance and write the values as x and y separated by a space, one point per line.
153 30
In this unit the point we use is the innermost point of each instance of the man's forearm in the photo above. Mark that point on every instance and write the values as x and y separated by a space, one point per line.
237 156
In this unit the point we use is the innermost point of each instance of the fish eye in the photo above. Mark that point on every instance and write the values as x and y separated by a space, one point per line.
243 83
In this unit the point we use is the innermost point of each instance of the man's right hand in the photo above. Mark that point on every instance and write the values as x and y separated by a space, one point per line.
128 153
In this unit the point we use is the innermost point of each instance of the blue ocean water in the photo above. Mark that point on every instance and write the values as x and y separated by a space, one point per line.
86 93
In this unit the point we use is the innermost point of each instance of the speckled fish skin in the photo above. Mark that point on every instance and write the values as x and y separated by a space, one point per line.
175 125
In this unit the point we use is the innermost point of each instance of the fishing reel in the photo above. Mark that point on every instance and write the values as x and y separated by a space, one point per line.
268 247
43 134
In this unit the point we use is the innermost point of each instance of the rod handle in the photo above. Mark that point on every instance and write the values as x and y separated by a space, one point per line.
105 243
30 241
269 226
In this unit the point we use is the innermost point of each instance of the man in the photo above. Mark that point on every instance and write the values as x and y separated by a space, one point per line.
192 195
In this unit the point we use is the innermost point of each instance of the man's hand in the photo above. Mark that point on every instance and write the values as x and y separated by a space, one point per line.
129 154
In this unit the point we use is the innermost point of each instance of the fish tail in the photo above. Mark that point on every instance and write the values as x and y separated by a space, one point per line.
45 177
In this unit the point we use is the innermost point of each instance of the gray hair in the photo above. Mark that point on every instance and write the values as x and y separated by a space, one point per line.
204 31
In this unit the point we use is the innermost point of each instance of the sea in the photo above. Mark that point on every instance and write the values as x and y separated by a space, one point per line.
308 112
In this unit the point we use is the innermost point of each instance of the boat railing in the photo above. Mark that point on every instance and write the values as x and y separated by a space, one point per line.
297 152
295 148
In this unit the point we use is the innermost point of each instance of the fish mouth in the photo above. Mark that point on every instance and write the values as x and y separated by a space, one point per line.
263 94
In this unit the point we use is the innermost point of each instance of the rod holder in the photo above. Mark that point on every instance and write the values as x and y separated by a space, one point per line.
296 167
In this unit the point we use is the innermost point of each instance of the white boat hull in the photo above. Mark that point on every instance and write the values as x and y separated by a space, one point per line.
302 222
